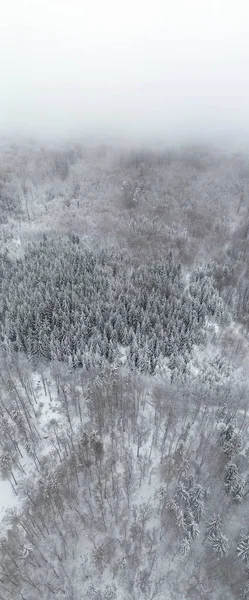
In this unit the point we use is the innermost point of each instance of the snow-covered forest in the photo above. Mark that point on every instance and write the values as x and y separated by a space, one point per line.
124 387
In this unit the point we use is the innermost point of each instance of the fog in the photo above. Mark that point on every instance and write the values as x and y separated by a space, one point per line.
170 69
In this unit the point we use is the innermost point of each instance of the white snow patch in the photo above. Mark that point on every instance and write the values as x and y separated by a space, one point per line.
8 499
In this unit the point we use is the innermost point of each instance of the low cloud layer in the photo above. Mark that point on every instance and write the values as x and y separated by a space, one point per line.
160 68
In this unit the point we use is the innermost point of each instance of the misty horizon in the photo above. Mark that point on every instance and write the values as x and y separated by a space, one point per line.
171 72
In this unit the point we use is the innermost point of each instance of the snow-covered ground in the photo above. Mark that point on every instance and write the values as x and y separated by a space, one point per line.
7 498
47 406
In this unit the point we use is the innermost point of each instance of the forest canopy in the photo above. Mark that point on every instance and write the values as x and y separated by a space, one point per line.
63 301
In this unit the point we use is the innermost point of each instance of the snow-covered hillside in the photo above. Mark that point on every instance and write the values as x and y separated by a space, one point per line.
123 373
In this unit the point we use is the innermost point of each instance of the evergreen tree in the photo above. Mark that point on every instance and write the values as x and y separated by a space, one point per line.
243 547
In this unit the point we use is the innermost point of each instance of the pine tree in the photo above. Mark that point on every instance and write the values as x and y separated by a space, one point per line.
231 477
185 546
243 547
213 527
230 441
219 545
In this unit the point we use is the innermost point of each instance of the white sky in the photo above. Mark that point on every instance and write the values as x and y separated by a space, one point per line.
157 67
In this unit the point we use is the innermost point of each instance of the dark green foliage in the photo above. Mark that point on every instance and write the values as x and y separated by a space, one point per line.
243 547
65 302
234 486
230 440
215 537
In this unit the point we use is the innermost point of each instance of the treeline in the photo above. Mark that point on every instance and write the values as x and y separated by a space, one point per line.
151 199
65 302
